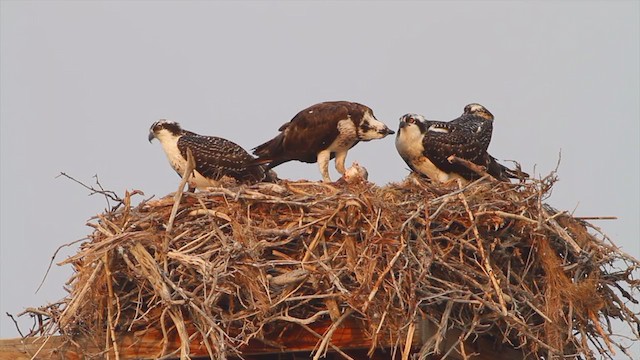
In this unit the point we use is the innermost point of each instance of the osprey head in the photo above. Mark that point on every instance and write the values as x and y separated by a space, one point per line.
412 129
409 120
371 128
478 110
164 128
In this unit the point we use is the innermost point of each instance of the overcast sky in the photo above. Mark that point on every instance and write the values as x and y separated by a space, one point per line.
81 82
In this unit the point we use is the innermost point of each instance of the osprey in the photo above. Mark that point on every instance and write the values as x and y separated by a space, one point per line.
426 145
214 157
320 133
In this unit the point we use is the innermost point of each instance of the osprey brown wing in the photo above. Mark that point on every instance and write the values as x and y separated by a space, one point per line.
468 142
216 157
309 132
481 129
454 139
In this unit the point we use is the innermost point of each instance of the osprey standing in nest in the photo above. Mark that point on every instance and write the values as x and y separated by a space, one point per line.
320 133
214 157
426 146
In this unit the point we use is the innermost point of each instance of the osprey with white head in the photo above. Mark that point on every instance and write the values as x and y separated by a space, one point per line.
320 133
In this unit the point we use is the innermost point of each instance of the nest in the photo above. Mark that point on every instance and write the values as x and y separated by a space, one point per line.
238 262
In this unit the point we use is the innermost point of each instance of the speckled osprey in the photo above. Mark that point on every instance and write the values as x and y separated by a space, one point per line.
425 145
320 133
214 157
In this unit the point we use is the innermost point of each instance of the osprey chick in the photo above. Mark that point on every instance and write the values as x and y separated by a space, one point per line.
426 145
214 157
320 133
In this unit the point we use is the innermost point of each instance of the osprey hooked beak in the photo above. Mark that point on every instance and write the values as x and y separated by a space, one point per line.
386 131
152 135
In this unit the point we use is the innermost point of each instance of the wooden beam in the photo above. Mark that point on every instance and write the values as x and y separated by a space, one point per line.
350 338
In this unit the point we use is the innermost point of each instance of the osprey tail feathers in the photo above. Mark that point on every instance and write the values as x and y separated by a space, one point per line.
503 173
270 153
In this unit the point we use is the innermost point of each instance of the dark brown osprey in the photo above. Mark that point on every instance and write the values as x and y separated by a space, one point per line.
426 145
214 157
320 133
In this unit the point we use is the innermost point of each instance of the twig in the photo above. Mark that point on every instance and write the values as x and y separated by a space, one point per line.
506 215
562 232
322 348
319 235
108 194
178 195
178 321
46 340
112 332
373 292
480 170
53 257
318 336
458 191
70 309
483 256
15 323
307 321
406 352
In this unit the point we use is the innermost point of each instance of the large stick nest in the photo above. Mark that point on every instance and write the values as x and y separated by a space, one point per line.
240 262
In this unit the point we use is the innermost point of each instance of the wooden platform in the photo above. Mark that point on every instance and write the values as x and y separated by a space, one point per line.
349 338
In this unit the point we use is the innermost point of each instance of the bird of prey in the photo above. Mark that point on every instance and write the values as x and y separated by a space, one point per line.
426 145
320 133
214 157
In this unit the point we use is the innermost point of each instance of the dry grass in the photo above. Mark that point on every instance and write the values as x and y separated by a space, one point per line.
239 262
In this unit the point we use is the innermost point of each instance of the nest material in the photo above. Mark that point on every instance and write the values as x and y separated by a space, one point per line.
234 263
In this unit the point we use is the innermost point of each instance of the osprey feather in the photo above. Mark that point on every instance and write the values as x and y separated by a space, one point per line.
214 157
426 145
320 133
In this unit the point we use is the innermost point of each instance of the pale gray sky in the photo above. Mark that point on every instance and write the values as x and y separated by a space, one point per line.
81 82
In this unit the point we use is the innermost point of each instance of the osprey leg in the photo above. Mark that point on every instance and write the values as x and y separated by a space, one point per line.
340 159
323 164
